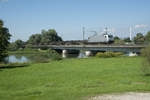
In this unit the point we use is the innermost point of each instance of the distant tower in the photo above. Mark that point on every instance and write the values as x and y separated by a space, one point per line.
130 33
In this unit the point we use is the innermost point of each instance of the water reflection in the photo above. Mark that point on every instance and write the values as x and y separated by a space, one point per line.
15 59
18 58
82 55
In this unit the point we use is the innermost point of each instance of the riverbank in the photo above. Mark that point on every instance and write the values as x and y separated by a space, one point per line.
32 56
73 79
27 51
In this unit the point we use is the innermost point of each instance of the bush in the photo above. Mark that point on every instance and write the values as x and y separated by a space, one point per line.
146 61
54 55
108 54
118 54
119 42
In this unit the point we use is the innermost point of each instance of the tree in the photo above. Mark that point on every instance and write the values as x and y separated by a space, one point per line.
35 39
4 41
139 38
19 44
46 37
147 37
50 36
127 39
16 45
119 41
116 38
12 47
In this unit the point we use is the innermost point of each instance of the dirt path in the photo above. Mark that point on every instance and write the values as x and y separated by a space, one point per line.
125 96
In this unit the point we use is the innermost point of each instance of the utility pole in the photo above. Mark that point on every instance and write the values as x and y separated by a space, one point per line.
130 33
106 29
83 30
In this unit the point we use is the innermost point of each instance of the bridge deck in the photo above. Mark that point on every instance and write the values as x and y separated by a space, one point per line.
95 46
118 48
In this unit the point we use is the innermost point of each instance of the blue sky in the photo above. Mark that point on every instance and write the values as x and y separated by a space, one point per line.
67 17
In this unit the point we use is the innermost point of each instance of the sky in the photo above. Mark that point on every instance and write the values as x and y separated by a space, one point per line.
26 17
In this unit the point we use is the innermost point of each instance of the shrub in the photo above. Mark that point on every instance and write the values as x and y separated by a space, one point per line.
118 53
146 61
119 42
108 54
54 55
29 46
99 54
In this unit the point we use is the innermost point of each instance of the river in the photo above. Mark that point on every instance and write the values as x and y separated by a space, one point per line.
21 58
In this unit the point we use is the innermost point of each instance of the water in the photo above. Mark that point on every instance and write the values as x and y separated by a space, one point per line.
15 59
18 58
80 55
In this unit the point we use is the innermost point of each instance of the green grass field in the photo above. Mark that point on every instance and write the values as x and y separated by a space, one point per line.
73 79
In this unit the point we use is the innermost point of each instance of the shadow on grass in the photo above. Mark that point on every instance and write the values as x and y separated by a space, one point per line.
13 65
147 75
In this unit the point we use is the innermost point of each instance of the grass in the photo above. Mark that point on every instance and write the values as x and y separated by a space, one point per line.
73 79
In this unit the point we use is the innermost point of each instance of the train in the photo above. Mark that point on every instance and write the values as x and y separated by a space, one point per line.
96 39
103 38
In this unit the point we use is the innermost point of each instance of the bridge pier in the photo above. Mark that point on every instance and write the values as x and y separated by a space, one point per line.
88 53
64 53
131 54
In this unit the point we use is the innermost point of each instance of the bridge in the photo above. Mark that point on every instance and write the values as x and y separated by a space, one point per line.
130 48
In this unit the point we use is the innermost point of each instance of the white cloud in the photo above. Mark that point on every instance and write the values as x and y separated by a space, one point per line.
141 26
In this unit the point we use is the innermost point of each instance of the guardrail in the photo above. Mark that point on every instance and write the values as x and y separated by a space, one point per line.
98 46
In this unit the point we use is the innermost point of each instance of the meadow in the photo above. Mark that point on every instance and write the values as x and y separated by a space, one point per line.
73 79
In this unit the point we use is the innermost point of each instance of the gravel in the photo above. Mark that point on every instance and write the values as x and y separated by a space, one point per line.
124 96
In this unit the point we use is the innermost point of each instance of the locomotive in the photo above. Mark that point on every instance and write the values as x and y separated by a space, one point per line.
104 38
96 39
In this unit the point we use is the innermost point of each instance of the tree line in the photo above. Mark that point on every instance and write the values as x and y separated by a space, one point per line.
138 39
45 37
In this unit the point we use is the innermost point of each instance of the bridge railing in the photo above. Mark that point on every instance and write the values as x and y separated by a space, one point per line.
122 46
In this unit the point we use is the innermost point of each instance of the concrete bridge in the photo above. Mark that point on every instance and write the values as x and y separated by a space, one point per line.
89 49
